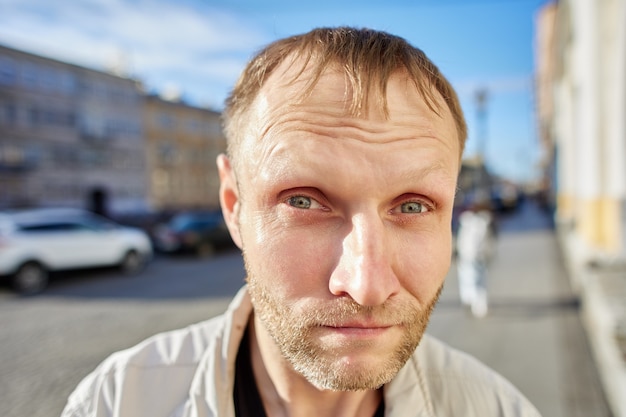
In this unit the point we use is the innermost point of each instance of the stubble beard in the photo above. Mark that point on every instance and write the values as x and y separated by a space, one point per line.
292 332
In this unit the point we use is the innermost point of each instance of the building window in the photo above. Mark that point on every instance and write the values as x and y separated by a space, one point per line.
166 153
161 181
8 114
34 116
66 83
29 76
166 121
7 71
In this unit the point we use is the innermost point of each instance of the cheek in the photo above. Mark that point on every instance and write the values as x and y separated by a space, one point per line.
291 261
424 264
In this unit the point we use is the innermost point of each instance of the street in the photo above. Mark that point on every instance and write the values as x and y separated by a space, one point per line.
532 335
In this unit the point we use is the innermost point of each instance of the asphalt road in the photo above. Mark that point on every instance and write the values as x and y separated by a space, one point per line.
532 335
51 341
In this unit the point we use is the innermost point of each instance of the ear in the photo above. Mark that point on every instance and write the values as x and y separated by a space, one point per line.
229 197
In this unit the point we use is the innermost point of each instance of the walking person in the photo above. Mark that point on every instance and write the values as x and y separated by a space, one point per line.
475 244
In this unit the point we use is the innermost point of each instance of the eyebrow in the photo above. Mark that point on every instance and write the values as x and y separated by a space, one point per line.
417 173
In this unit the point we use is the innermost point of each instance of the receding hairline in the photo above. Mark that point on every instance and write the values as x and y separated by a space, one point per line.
367 58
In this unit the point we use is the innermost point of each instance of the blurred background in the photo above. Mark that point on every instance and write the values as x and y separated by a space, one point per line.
112 108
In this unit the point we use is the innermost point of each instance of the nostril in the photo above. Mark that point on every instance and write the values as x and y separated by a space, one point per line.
364 271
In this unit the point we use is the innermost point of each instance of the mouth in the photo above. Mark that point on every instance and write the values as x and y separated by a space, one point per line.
365 330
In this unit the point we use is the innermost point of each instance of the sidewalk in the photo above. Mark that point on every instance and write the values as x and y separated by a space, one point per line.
602 289
533 334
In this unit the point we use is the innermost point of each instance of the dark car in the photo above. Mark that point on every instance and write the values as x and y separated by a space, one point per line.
201 233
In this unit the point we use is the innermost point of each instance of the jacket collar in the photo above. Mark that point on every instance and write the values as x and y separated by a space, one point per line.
212 388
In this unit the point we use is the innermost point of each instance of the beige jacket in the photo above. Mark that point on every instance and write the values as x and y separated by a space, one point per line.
190 373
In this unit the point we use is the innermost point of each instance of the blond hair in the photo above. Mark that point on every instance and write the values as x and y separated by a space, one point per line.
367 57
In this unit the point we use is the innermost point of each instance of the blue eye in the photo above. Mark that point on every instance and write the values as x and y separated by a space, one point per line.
412 207
300 202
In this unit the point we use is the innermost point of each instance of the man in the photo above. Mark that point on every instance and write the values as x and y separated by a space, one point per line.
475 243
344 150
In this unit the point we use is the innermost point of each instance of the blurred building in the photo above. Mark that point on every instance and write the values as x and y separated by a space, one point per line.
477 186
69 136
77 137
581 109
475 182
581 91
182 145
544 75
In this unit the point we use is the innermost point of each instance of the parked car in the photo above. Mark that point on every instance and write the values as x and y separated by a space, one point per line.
506 197
201 232
145 219
34 243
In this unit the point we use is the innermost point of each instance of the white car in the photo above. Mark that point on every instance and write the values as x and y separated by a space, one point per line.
35 242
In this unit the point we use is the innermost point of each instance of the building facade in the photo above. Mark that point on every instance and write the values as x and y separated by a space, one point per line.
182 144
69 136
581 73
581 81
76 137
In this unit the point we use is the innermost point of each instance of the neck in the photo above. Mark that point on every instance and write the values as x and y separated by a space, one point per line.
285 392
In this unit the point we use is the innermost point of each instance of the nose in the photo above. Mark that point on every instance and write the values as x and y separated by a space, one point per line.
365 268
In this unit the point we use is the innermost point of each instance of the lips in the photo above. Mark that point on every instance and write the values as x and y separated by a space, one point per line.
359 328
359 325
356 332
353 316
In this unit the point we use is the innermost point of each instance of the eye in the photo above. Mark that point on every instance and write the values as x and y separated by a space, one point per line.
303 202
413 207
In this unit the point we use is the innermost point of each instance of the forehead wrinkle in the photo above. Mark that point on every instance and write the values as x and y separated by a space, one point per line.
277 158
353 129
326 114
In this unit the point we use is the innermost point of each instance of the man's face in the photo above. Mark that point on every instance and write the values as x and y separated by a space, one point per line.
344 224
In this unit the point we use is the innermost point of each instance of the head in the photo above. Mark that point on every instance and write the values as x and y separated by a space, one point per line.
344 148
367 58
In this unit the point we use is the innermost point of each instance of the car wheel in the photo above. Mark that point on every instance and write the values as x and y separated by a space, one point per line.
132 263
30 278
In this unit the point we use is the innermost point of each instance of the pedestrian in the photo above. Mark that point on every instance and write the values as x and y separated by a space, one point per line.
344 147
474 248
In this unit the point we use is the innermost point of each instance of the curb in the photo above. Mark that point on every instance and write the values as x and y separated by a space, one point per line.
603 313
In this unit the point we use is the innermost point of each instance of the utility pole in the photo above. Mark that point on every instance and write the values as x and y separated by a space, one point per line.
482 181
481 116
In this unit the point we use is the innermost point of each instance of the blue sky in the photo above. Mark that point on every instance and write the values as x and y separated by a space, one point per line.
198 48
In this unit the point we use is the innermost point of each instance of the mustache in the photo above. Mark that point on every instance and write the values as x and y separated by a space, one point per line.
342 310
338 311
393 312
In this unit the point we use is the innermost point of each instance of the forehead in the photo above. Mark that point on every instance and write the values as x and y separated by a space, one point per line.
285 105
289 88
